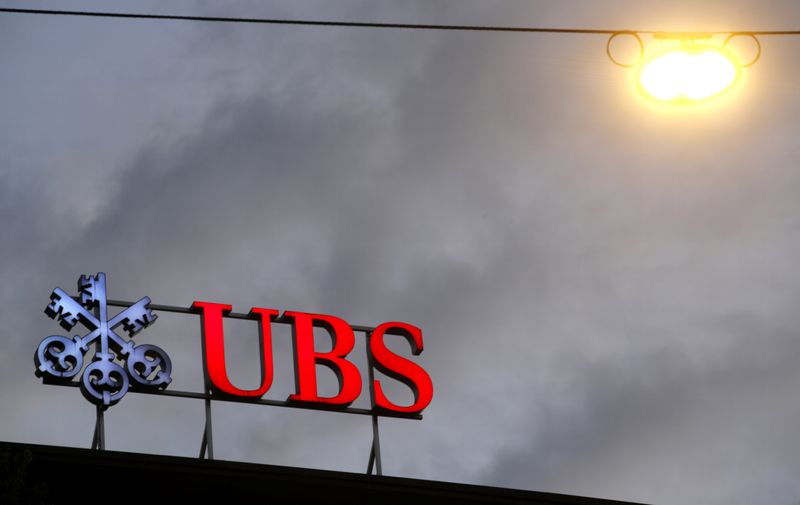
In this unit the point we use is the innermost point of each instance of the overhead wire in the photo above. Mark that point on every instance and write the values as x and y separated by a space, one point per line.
407 26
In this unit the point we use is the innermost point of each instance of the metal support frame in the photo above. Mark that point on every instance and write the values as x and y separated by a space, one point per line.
207 443
375 450
99 437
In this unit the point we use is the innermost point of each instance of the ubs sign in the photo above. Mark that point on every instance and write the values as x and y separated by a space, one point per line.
117 364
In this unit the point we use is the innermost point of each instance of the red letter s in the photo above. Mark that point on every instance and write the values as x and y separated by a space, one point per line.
397 367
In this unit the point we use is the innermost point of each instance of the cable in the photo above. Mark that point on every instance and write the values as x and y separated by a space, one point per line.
474 28
303 22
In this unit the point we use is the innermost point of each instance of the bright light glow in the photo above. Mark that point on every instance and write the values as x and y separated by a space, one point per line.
688 74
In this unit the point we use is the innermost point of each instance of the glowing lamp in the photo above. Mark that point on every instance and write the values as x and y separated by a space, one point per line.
688 74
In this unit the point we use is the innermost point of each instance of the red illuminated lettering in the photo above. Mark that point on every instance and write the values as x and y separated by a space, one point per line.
397 367
214 349
306 358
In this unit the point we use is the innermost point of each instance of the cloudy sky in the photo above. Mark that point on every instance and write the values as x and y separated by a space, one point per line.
608 290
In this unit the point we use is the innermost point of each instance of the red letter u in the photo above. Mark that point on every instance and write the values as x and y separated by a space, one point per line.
214 349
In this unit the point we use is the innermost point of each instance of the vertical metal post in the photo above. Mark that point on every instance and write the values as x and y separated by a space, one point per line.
375 451
99 437
207 446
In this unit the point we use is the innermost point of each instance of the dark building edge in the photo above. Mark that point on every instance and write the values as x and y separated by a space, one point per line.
97 476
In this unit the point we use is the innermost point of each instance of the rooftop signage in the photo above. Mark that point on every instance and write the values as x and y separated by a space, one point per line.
118 365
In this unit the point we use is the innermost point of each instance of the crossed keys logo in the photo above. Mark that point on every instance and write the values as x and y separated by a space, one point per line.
105 381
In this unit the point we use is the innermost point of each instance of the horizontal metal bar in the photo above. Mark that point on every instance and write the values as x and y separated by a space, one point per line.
232 315
262 401
274 403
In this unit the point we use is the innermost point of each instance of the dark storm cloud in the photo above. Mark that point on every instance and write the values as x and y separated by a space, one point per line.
608 295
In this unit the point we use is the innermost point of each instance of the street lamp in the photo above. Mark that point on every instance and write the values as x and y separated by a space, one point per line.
693 70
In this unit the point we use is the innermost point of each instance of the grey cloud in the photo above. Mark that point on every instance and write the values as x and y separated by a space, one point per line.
607 293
